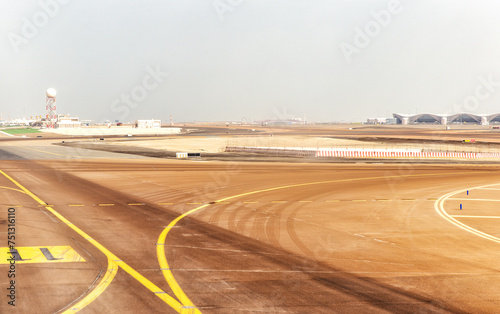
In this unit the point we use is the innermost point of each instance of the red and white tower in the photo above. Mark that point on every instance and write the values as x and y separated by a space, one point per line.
50 107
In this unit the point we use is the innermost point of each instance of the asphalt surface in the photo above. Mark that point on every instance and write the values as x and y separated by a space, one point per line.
252 238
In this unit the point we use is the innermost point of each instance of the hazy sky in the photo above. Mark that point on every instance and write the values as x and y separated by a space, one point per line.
199 60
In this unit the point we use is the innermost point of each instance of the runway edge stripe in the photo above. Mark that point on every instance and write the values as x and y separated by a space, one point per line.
144 281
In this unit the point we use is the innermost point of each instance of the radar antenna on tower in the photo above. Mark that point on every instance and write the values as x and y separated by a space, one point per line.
50 106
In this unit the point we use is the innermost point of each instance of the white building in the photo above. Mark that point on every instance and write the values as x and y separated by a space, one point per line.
68 122
148 124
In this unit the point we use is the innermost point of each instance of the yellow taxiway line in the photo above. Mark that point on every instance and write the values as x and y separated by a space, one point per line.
160 245
38 150
111 257
98 290
6 187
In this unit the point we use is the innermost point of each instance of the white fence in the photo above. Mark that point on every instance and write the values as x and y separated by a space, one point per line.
360 153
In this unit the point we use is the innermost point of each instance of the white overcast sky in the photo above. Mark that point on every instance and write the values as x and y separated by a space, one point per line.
249 59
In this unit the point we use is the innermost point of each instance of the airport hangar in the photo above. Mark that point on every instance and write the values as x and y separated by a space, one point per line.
444 119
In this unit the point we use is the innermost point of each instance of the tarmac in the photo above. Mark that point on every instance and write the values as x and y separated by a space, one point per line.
128 233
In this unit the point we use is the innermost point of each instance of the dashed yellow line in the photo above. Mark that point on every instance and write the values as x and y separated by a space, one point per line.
106 280
304 201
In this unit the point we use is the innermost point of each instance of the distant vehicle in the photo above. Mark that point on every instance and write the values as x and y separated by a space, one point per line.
119 123
469 141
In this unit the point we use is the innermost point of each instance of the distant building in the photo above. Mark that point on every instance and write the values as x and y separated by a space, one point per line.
148 124
68 122
381 121
444 119
281 121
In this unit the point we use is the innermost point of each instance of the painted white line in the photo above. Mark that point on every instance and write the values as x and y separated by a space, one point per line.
7 133
438 206
473 199
469 216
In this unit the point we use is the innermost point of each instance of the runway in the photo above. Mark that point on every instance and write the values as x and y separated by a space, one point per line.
153 235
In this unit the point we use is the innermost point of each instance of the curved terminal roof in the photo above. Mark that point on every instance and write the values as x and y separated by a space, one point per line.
447 118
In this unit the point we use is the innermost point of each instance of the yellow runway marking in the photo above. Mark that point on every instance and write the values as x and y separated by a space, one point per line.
136 204
76 205
103 284
106 204
165 203
35 254
6 187
41 151
248 202
160 250
222 202
473 199
89 298
468 216
193 203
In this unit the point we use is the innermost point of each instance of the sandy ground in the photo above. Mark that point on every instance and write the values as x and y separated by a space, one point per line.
216 144
293 238
258 237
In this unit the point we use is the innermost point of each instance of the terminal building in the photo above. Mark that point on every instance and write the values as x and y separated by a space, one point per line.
446 119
